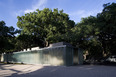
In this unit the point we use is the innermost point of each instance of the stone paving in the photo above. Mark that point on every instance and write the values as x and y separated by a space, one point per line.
11 70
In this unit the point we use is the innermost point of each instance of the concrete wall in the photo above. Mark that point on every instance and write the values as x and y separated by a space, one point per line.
69 56
75 56
80 56
60 55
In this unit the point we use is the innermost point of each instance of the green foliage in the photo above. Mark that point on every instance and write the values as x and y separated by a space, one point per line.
45 24
97 34
6 37
107 27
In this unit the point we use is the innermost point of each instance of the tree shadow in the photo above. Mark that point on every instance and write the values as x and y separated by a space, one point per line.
53 71
8 67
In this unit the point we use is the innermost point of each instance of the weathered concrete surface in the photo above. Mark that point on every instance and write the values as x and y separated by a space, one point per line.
10 70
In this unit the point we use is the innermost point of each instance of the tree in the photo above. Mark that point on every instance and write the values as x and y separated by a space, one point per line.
24 41
85 36
107 26
46 24
6 37
97 34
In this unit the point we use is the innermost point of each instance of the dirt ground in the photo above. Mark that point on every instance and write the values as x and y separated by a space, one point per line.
15 70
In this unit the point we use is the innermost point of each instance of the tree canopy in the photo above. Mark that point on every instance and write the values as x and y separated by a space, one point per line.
46 24
7 35
97 33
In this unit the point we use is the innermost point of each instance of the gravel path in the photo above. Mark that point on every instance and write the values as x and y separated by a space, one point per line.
11 70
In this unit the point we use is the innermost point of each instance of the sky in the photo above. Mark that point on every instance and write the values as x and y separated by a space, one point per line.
76 9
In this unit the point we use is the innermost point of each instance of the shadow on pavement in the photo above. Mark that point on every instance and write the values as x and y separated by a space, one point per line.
52 71
72 71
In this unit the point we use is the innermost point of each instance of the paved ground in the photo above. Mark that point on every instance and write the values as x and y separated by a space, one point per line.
10 70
